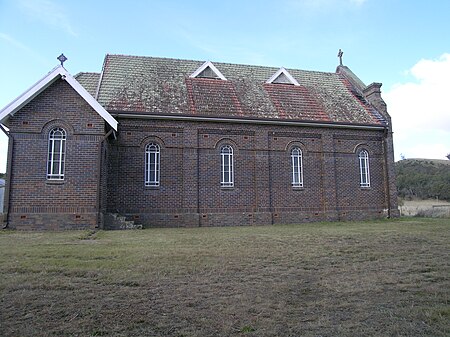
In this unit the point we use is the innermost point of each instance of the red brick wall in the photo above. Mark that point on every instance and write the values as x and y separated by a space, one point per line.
190 193
35 202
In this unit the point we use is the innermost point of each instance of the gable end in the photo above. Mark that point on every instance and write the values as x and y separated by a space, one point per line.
282 76
56 73
208 70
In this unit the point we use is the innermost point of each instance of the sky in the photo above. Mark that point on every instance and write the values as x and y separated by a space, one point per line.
403 44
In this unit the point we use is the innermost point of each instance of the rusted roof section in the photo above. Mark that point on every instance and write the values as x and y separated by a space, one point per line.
89 81
296 102
212 96
148 85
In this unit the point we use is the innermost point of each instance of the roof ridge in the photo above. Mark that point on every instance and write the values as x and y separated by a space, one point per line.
218 63
100 79
88 72
153 57
266 67
85 72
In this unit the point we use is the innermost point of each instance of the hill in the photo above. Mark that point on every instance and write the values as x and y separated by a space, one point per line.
423 178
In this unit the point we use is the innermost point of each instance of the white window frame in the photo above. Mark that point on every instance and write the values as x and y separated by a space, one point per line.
152 164
56 156
297 167
227 166
364 169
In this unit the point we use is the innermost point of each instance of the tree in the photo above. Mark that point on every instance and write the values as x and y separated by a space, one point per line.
423 179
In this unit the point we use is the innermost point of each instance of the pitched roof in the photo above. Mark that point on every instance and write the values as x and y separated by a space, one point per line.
55 74
162 86
89 81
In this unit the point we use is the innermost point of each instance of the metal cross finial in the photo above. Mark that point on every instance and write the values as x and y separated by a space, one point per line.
340 56
61 58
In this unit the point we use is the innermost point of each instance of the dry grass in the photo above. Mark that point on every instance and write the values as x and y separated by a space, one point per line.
387 278
426 208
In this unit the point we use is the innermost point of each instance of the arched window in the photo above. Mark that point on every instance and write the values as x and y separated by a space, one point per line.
364 172
227 175
152 167
56 154
297 167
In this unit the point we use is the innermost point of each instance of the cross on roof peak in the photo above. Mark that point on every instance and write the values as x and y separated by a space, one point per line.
62 58
340 53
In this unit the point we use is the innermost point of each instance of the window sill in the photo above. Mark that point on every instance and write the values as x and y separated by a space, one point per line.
298 188
152 187
55 182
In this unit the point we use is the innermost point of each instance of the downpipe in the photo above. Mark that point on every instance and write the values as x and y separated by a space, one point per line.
8 176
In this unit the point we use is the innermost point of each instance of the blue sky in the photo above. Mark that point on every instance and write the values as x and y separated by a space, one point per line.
403 44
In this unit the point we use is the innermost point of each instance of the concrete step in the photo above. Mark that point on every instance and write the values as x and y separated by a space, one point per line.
129 225
114 221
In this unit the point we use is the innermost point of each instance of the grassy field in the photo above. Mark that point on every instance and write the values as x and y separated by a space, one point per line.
386 278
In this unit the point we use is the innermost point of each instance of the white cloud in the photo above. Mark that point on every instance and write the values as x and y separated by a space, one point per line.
420 110
13 42
25 50
48 12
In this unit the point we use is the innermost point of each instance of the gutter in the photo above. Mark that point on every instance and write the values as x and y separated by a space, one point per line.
175 117
8 176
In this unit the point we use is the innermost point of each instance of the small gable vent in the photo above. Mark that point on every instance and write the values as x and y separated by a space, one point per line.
208 70
282 76
208 73
282 79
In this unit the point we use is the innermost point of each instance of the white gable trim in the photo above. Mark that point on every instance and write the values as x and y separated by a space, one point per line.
280 71
55 74
206 65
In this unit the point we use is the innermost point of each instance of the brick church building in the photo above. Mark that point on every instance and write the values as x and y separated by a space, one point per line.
168 142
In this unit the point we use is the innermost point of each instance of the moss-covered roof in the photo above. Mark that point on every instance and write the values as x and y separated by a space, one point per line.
149 85
89 81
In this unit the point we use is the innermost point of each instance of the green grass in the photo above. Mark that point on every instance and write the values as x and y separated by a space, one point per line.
327 279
